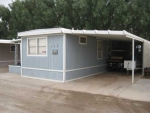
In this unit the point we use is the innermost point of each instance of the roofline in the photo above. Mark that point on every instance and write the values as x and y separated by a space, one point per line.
3 41
6 41
79 32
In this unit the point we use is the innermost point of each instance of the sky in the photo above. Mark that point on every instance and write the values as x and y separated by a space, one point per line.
5 2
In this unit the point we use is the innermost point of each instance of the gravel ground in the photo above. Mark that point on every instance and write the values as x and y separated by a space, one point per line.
24 98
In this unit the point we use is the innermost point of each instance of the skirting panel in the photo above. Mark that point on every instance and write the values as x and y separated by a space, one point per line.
85 72
14 69
49 75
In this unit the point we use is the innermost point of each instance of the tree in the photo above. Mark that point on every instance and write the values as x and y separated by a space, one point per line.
130 15
32 14
4 23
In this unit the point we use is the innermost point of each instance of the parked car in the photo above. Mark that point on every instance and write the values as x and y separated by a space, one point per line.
116 60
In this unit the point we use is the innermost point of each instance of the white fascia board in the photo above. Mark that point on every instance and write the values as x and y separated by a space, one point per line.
129 35
93 32
21 34
16 40
6 41
116 33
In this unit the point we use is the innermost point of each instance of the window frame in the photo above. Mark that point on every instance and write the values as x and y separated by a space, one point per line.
81 42
10 48
101 49
36 38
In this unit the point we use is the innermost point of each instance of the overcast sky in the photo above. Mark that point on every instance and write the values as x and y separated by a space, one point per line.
5 2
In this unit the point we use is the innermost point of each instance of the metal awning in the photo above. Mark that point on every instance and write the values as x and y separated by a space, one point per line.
104 34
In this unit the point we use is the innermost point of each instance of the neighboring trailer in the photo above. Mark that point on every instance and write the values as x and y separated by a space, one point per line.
7 53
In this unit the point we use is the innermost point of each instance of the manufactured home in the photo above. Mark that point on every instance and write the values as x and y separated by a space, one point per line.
60 54
8 49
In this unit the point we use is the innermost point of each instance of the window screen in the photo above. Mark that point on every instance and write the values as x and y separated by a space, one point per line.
99 49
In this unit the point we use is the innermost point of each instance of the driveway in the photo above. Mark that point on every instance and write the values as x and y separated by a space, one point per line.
113 84
23 95
3 69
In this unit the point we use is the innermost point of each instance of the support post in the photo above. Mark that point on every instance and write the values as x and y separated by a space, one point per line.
16 54
143 60
132 60
64 57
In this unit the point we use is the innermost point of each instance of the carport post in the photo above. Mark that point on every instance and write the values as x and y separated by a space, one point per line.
16 53
132 60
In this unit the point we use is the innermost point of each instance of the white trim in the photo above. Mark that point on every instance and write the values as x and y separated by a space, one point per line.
80 36
41 35
143 52
42 69
86 76
21 55
36 48
13 66
3 41
9 61
64 57
85 68
41 79
36 38
133 43
97 49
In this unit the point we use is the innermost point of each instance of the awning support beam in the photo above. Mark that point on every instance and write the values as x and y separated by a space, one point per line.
133 66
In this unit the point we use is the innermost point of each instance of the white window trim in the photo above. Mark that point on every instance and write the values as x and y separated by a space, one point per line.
10 48
83 37
97 49
36 46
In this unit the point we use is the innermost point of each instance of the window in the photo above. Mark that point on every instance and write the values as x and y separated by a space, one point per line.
99 49
37 46
32 46
41 46
83 40
12 48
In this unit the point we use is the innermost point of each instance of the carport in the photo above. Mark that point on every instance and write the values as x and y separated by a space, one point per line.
117 36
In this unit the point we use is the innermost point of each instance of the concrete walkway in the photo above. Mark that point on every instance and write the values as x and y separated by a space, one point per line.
111 84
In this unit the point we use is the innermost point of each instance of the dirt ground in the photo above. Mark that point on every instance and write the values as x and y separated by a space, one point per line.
26 98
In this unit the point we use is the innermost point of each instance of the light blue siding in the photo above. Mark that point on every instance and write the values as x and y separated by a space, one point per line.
77 56
45 62
15 69
43 74
85 72
51 62
82 56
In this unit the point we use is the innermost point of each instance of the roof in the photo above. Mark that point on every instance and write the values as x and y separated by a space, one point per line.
3 41
6 41
103 34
